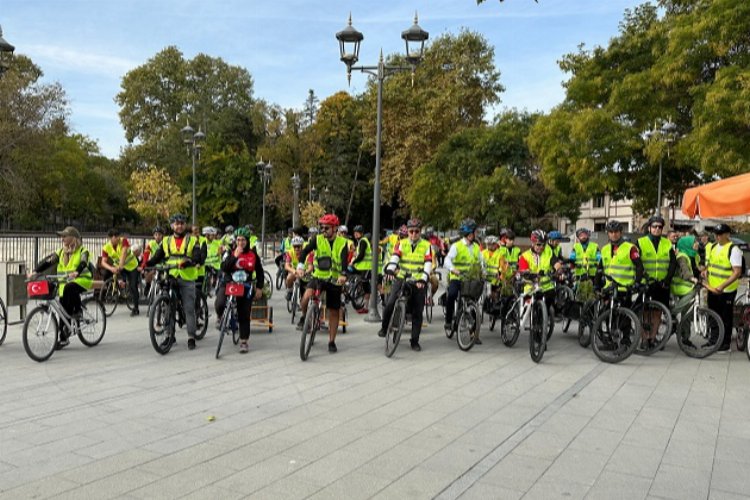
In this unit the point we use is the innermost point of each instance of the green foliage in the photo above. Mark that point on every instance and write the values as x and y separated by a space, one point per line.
154 196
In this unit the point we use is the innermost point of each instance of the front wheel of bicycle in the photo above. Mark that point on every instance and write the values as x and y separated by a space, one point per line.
654 316
280 278
395 328
3 322
161 325
40 334
309 330
428 306
468 327
700 333
201 317
743 328
269 281
109 296
223 328
589 313
93 322
511 327
538 331
615 334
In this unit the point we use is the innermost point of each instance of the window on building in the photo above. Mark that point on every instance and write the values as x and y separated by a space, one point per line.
599 201
599 226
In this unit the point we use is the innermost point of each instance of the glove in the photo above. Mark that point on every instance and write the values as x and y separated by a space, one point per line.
350 269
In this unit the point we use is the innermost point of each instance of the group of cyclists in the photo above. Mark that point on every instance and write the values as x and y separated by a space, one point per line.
326 257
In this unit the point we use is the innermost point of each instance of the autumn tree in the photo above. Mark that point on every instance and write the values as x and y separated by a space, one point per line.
154 196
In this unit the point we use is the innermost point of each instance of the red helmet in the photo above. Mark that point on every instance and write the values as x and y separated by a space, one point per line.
329 220
403 231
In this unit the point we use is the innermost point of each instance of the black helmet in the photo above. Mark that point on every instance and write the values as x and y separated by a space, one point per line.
582 230
177 218
158 229
509 234
655 218
613 225
468 226
359 228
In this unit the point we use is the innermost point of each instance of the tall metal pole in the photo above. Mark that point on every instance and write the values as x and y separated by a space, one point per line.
295 209
192 151
263 219
373 316
658 196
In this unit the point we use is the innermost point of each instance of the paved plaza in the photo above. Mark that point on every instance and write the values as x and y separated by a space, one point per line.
120 421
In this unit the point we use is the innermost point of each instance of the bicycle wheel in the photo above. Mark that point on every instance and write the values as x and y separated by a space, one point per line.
395 328
161 325
224 326
356 294
309 330
93 322
563 298
538 331
269 280
40 333
589 313
201 318
700 333
109 296
3 321
342 317
511 326
615 334
294 302
468 327
653 315
280 278
428 306
743 329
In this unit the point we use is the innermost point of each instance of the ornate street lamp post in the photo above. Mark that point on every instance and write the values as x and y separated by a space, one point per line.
6 52
296 184
349 40
667 133
194 143
264 170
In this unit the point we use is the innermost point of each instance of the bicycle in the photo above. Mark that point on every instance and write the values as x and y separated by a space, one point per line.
312 323
466 322
269 286
167 312
233 289
3 321
616 331
280 275
429 300
41 328
647 309
398 318
529 308
741 319
114 291
700 331
354 290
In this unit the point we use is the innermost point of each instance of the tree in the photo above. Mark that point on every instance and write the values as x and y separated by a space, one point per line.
154 196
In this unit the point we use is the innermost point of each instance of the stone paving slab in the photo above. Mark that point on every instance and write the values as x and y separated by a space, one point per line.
120 421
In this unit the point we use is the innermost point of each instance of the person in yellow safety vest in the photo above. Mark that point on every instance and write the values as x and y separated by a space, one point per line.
659 264
331 254
312 233
291 259
253 240
553 241
494 260
151 247
687 274
724 269
621 261
463 255
512 253
181 250
585 254
541 260
361 263
118 259
71 259
228 239
411 259
213 248
203 244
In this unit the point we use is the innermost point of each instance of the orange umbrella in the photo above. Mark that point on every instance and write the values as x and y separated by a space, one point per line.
719 199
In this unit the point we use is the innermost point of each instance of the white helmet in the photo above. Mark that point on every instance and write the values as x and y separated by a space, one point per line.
343 229
298 241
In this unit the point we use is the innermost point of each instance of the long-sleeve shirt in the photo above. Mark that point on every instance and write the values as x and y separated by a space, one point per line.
448 262
53 259
232 263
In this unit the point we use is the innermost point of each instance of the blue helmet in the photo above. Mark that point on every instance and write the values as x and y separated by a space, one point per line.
468 226
554 235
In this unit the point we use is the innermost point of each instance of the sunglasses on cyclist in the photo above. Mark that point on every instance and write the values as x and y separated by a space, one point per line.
657 226
414 231
325 228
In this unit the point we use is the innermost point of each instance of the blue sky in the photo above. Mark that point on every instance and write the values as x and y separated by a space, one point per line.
288 46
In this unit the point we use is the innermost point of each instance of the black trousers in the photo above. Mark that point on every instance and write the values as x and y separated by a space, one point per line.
723 305
71 302
415 305
454 288
243 311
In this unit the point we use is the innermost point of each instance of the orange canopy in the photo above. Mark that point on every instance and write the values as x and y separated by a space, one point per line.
719 199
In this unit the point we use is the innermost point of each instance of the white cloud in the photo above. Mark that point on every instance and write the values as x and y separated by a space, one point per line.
79 61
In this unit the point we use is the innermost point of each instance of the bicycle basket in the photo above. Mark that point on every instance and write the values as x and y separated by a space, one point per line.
472 289
41 290
234 289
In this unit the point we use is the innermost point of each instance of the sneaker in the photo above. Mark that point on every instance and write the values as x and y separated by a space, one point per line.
332 347
191 344
300 324
477 342
447 326
381 333
415 346
134 312
62 343
244 347
724 351
363 310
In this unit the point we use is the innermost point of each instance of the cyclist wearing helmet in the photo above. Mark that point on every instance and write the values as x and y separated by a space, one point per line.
462 256
118 258
724 262
242 258
539 259
284 247
330 263
361 263
312 233
512 253
553 240
291 259
228 239
213 248
253 240
412 256
494 259
151 247
203 244
585 254
182 250
621 260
